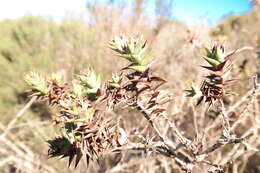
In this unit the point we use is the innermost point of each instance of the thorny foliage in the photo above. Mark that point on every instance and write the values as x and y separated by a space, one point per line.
88 133
214 86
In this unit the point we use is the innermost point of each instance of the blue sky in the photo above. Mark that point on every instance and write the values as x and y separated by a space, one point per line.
192 10
187 11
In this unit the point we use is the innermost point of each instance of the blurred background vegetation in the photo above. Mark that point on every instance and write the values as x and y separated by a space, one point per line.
34 43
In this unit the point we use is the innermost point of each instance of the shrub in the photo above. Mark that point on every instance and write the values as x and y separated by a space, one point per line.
87 131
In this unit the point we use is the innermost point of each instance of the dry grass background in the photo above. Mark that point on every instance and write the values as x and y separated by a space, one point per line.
35 43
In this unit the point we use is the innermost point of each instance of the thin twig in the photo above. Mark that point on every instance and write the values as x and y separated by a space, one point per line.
19 115
252 95
195 120
226 124
238 51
